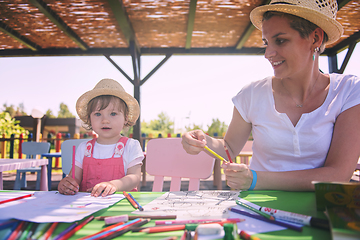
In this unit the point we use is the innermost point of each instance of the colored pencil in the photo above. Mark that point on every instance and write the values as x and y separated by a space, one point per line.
215 154
131 201
132 217
73 163
112 235
68 229
16 231
254 210
25 233
197 221
32 230
227 153
245 236
42 227
7 224
50 231
17 198
113 228
12 229
259 217
140 207
77 228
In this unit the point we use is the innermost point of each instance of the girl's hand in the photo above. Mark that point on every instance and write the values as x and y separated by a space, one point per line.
194 141
103 189
68 186
238 176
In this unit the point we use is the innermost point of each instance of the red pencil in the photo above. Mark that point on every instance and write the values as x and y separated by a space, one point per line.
227 153
17 198
77 228
47 235
17 230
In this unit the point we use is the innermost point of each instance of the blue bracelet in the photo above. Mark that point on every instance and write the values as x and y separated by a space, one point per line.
253 183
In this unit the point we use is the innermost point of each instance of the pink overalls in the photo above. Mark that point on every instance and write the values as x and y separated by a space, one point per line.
102 170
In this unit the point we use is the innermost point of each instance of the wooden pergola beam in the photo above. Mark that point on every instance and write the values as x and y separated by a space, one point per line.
49 13
18 37
190 25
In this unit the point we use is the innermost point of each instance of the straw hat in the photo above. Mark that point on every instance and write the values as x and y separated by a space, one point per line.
108 87
322 13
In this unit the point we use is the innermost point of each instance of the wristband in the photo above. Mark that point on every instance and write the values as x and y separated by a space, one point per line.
253 183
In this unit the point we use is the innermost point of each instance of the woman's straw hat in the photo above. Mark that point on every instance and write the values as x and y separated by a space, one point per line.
108 87
322 13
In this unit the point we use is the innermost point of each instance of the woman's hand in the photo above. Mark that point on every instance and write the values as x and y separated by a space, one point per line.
194 141
238 176
68 186
103 189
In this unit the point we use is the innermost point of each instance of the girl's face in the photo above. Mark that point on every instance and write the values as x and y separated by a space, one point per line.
288 53
108 123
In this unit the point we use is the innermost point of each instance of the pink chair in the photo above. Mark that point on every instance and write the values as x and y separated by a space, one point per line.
165 157
246 153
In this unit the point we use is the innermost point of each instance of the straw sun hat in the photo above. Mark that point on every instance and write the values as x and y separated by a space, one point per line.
108 87
320 12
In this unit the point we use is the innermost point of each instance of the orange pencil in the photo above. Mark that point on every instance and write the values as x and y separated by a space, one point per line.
132 202
227 153
163 229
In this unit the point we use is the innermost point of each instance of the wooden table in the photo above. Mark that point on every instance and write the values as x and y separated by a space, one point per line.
13 164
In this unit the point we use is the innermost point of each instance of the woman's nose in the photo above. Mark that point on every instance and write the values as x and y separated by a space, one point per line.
269 53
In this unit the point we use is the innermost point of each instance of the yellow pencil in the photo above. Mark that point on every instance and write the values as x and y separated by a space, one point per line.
215 154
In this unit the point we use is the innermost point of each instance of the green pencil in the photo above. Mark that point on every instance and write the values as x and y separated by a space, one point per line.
40 230
254 210
26 231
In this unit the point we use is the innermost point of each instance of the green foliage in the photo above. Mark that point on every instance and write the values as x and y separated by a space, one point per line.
50 114
9 125
19 111
161 125
64 112
194 127
217 127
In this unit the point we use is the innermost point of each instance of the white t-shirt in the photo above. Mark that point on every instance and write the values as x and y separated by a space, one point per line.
132 155
278 145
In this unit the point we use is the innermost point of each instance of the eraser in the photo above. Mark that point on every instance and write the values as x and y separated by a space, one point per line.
209 229
116 219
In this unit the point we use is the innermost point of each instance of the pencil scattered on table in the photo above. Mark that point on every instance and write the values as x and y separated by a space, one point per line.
215 154
76 228
16 198
139 206
227 153
131 200
132 217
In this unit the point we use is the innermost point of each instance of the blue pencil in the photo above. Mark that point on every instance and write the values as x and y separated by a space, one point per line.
68 229
259 217
140 207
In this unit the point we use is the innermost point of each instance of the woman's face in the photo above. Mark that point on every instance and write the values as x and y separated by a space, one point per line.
288 53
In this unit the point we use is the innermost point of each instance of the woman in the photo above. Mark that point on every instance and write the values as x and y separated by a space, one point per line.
304 123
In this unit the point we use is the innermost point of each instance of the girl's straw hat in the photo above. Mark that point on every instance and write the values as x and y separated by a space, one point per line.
322 13
108 87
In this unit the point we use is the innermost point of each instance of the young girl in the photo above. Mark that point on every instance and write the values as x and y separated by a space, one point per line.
111 162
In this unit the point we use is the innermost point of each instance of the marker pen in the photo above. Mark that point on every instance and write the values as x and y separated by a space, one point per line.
296 218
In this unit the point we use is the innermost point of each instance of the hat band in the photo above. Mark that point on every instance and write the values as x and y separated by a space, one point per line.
281 3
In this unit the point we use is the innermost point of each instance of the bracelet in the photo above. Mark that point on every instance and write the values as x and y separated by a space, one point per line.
253 183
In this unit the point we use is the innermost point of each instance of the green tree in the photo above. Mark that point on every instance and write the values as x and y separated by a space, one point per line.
50 114
194 127
217 127
64 112
161 125
9 125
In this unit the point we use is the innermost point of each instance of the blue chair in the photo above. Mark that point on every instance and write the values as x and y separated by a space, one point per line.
31 149
66 153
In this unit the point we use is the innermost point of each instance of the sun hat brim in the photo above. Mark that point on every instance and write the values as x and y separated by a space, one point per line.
131 102
331 27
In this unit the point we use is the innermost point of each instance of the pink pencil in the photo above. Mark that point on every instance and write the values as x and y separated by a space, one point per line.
73 162
227 153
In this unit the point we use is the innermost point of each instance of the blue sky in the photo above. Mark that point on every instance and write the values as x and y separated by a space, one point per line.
189 89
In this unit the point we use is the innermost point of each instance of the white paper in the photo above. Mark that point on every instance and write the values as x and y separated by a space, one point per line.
53 206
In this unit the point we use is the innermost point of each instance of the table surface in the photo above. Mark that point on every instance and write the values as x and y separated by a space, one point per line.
13 164
298 202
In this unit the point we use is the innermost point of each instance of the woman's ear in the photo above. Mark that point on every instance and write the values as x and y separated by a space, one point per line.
318 36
